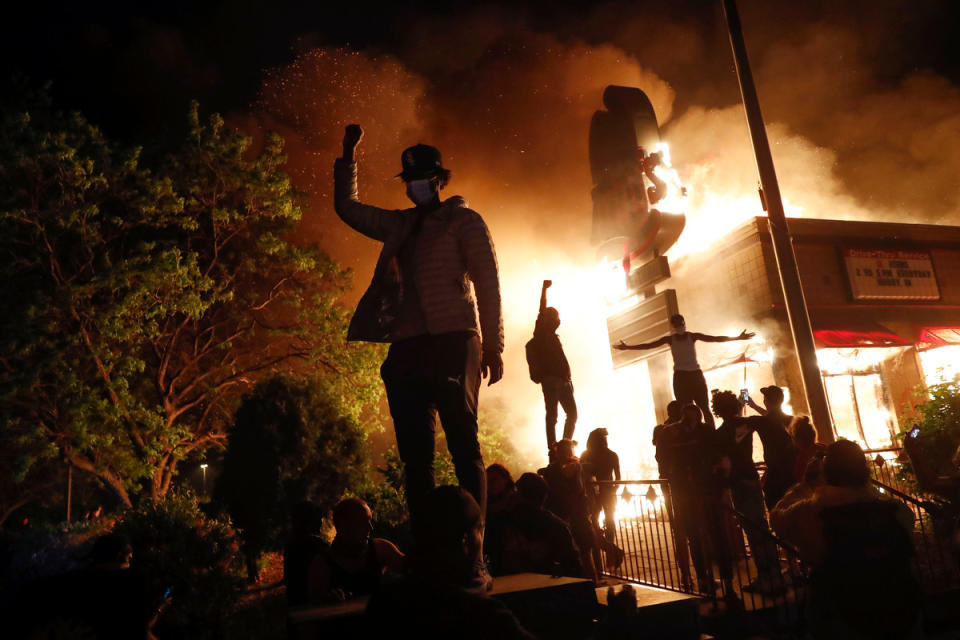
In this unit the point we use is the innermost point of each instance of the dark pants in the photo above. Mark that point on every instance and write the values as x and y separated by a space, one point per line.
776 483
557 390
691 386
426 376
748 500
608 502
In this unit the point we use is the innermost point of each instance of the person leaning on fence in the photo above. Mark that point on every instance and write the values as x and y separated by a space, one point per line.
686 445
733 442
568 500
858 543
603 464
660 452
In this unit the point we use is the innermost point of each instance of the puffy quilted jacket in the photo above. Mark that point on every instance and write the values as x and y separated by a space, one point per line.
455 259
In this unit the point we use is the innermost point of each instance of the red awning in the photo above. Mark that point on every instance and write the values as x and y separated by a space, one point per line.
932 337
857 335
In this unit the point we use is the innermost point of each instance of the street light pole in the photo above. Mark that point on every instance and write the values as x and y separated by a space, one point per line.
203 469
780 234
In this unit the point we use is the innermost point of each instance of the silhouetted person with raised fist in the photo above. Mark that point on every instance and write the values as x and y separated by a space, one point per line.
689 385
435 297
550 369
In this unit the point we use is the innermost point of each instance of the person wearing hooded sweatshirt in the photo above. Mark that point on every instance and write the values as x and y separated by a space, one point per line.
435 297
550 369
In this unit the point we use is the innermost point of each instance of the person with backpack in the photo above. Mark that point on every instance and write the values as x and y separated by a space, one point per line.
549 368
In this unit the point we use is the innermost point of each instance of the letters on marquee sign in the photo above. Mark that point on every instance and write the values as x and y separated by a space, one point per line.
879 274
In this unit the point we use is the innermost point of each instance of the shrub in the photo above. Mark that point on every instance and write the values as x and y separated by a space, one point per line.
197 556
291 442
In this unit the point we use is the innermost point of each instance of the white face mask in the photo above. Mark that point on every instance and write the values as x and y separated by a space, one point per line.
421 191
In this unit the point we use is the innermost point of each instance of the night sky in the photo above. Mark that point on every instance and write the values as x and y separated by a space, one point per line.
861 100
132 67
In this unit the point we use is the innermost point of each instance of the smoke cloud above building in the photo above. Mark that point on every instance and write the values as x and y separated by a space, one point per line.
508 101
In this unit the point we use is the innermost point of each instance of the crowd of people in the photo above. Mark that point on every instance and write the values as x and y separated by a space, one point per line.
435 297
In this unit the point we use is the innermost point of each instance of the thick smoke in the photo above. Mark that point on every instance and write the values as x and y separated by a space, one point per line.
510 105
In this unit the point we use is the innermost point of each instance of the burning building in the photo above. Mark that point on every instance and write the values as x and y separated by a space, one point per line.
883 299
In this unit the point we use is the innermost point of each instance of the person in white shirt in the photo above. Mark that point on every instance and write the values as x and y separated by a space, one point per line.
689 385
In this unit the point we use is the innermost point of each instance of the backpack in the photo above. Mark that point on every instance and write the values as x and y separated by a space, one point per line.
534 362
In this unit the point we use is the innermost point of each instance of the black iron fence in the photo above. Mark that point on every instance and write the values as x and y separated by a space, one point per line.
702 545
935 525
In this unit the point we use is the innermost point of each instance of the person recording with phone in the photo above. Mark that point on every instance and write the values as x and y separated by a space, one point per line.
689 385
779 451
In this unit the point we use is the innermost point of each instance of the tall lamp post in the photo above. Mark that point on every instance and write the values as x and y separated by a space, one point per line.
203 471
780 234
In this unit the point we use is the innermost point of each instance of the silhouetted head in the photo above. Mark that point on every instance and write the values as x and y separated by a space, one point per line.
772 397
804 433
354 522
548 321
447 535
306 519
692 413
111 550
674 410
532 489
499 480
597 440
844 465
726 405
564 450
677 324
423 174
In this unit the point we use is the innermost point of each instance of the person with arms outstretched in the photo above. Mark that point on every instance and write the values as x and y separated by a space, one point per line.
689 385
435 297
550 369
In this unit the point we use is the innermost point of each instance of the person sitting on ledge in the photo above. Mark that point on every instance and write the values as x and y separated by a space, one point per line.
439 597
355 561
529 538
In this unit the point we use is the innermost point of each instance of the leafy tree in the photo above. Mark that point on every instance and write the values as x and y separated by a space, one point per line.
939 422
144 298
290 444
196 556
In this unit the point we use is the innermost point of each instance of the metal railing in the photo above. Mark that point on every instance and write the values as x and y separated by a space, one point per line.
935 524
885 468
701 545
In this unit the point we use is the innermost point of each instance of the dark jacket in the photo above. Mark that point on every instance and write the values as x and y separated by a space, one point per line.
455 259
545 358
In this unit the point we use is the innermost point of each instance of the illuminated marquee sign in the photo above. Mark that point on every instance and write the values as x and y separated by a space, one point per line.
877 274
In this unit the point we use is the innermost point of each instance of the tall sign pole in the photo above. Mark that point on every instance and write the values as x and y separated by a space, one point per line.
780 234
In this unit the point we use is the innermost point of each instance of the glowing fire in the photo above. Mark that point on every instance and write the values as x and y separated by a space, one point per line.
941 364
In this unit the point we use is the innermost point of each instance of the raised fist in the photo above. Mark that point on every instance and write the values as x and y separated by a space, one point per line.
352 136
547 284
